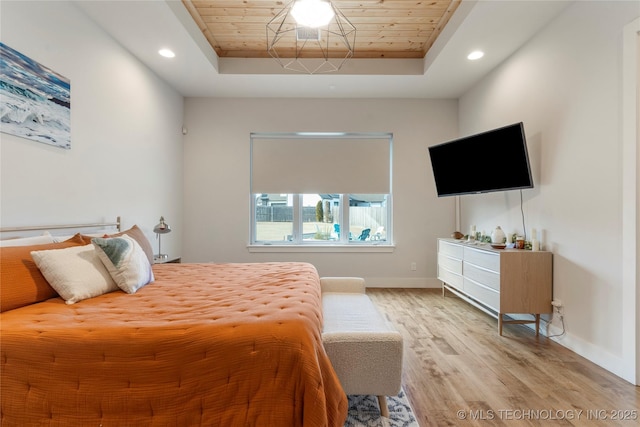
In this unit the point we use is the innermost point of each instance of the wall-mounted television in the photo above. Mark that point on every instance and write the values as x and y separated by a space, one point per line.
495 160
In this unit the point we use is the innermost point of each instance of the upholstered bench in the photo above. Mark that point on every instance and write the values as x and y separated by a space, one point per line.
364 348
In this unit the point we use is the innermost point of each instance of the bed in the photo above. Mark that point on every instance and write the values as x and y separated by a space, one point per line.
203 344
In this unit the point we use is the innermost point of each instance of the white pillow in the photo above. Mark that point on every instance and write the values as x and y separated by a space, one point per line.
76 273
125 260
28 241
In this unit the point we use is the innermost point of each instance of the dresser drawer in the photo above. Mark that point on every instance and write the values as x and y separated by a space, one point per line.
484 259
451 249
452 264
485 295
481 275
450 278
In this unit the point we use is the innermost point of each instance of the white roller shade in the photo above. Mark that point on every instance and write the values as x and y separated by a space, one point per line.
287 163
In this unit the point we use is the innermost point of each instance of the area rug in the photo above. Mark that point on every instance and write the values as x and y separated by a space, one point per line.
365 412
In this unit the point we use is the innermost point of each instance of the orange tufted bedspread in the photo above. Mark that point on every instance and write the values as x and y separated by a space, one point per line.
205 344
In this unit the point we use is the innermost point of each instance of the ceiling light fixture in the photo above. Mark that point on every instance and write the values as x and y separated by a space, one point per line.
310 36
167 53
476 54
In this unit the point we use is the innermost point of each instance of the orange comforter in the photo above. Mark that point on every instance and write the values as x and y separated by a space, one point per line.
205 344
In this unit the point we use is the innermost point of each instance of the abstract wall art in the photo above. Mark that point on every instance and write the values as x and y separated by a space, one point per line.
35 102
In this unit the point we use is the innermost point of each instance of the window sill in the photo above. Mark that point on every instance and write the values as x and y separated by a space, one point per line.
321 248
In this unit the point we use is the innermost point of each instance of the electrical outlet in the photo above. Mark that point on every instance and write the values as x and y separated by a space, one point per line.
413 266
557 306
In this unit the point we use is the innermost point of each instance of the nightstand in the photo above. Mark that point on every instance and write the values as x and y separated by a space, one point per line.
168 260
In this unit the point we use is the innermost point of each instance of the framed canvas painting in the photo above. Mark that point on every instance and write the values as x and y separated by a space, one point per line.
35 102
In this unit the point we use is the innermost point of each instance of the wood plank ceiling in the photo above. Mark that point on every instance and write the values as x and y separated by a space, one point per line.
384 28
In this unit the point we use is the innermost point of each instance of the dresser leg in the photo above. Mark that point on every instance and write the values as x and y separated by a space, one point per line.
537 325
500 323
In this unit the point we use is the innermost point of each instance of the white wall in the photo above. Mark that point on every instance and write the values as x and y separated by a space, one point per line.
566 85
217 199
126 140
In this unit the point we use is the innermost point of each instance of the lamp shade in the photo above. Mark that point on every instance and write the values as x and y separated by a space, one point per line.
162 227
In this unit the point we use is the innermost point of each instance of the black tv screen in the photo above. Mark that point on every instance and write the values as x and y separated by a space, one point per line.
496 160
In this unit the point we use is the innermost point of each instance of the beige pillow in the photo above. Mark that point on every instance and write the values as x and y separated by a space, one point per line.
126 262
75 273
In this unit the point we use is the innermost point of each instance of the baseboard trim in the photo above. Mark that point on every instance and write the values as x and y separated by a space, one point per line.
597 355
552 329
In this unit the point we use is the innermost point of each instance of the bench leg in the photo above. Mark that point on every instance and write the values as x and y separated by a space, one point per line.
384 409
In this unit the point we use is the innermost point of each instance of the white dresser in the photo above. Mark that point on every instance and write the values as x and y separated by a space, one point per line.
498 281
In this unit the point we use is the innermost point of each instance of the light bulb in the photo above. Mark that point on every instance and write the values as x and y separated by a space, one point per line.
312 13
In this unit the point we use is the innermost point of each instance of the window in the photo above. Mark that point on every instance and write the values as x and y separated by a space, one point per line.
320 219
368 215
321 189
274 217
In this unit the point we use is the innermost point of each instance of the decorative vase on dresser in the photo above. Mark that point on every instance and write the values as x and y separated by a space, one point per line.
498 236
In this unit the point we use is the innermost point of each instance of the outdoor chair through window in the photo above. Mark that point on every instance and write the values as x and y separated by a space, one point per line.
364 235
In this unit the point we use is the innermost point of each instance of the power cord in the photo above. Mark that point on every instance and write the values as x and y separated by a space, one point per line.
561 320
524 229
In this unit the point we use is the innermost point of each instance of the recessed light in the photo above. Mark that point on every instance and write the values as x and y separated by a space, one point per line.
167 53
476 54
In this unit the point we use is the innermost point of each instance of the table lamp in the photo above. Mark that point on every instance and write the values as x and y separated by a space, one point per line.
160 229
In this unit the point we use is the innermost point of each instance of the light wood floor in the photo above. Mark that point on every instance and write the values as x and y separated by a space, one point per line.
459 372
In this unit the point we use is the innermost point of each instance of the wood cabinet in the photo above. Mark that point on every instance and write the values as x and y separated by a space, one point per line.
499 282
